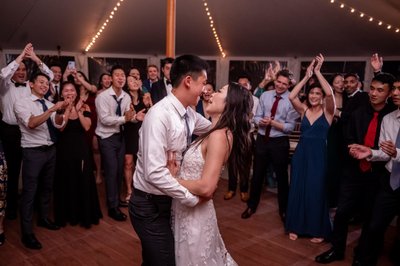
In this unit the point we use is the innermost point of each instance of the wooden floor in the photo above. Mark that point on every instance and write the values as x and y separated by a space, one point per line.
259 240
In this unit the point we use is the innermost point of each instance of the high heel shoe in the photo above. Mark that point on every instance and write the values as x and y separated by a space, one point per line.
2 238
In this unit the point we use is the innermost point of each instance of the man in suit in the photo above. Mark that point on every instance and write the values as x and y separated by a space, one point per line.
360 179
53 94
387 202
163 86
152 77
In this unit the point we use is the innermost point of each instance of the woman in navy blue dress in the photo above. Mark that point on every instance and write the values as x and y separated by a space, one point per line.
307 212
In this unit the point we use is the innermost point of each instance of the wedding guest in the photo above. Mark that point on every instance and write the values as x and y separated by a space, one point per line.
163 86
360 180
113 111
387 202
307 213
38 121
276 119
75 193
14 86
152 77
204 100
131 133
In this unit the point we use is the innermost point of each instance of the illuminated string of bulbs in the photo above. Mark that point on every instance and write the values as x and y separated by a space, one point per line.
102 28
208 13
364 15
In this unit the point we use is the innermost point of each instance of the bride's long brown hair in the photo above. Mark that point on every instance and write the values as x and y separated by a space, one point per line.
236 118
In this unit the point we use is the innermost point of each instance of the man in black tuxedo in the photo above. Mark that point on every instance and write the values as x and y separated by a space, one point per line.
163 86
360 179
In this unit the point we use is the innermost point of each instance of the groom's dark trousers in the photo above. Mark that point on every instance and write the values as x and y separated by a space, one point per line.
150 216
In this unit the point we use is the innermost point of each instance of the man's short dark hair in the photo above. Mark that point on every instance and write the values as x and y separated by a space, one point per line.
187 65
151 66
285 73
355 75
116 67
244 76
384 78
36 75
167 60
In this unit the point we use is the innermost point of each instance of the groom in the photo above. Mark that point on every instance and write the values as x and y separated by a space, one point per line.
168 126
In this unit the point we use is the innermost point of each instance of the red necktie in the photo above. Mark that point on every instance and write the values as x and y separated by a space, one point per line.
369 141
273 111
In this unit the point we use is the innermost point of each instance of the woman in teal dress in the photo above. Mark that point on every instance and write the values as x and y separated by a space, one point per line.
307 212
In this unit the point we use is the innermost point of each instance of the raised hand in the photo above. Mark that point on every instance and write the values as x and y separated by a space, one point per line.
310 69
319 59
172 163
376 62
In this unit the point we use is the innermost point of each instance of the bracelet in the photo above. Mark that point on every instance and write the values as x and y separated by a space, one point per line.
40 64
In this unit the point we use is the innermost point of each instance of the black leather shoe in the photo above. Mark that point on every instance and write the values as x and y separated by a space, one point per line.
247 213
30 241
329 256
116 214
46 223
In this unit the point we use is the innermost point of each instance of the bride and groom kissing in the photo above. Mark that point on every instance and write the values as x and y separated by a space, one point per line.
175 217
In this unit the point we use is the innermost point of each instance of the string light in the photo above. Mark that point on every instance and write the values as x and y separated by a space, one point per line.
214 31
363 14
104 25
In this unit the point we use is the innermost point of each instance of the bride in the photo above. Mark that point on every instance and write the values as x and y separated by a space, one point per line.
196 233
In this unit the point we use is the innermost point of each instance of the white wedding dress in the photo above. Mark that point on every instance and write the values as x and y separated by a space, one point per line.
196 233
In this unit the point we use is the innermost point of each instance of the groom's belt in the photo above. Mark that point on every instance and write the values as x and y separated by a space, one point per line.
146 195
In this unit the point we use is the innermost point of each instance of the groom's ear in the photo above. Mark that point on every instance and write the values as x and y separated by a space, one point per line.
187 80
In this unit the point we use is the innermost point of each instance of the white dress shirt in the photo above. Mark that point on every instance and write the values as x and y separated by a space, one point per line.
108 122
9 93
389 129
39 136
163 130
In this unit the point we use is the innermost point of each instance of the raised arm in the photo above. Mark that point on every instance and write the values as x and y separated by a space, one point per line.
297 104
217 152
329 98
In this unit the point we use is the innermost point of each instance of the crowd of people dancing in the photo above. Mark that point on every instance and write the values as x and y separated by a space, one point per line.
159 151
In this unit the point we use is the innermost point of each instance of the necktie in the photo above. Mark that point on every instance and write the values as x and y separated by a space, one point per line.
118 111
273 111
51 128
395 174
17 84
188 135
369 141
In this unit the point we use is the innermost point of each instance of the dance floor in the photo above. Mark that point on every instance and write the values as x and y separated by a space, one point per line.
259 240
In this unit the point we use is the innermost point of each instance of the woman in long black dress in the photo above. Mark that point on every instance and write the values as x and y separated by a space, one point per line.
75 193
307 212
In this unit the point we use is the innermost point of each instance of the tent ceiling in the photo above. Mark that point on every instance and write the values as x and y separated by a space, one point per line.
245 27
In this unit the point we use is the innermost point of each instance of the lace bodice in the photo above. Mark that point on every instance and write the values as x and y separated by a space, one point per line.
197 237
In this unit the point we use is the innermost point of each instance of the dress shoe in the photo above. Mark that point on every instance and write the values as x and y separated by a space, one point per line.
247 213
228 195
2 238
329 256
116 214
244 196
46 223
30 241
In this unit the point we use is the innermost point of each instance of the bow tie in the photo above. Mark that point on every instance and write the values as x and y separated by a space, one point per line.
168 82
17 84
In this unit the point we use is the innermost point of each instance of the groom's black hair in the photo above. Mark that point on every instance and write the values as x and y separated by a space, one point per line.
187 65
